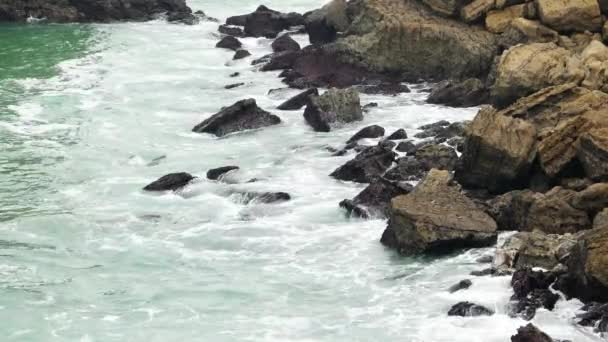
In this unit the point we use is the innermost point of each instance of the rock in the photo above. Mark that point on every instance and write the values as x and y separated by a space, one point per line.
366 166
384 89
595 315
486 259
234 85
593 199
369 132
442 131
448 8
524 31
601 220
235 74
216 174
335 105
469 93
231 30
552 213
570 15
532 292
498 21
461 285
592 151
285 43
398 135
435 125
323 24
498 152
436 157
263 197
525 69
229 42
437 217
476 10
172 181
533 249
279 60
576 184
93 10
510 210
241 53
300 100
268 23
374 200
407 169
242 115
530 333
467 309
368 107
406 146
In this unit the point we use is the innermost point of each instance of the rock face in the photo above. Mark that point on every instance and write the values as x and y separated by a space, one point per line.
172 181
471 92
587 266
300 100
93 10
371 163
437 217
530 333
334 106
242 115
510 210
498 21
570 15
592 151
323 24
467 309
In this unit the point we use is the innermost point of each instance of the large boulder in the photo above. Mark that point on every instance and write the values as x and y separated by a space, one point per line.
285 43
437 217
334 106
369 132
553 213
498 152
300 100
265 22
587 267
498 21
93 10
570 15
510 210
323 24
374 200
242 115
530 333
368 165
476 10
525 69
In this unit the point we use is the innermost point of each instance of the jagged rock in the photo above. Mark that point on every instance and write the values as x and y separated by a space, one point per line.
285 43
323 24
592 151
241 53
570 15
471 92
265 22
510 210
467 309
217 173
242 115
172 181
595 315
369 164
437 217
552 213
442 130
407 169
532 292
530 333
525 69
94 10
524 31
300 100
534 249
406 146
576 184
279 60
369 132
229 42
498 152
476 10
335 105
461 285
398 135
486 259
499 20
374 200
231 30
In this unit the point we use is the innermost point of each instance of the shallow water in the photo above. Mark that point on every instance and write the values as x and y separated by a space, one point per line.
85 255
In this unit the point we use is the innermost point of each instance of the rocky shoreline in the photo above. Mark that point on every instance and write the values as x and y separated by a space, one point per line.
534 160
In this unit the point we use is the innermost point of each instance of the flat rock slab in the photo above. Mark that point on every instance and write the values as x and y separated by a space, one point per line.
243 115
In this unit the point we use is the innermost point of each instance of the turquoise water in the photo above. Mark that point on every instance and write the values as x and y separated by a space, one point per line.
91 114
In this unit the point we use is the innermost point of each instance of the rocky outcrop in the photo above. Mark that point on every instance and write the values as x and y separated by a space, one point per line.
265 22
467 309
242 115
368 165
531 292
530 333
570 15
553 213
437 217
468 93
510 210
397 135
334 106
63 11
524 31
172 181
229 42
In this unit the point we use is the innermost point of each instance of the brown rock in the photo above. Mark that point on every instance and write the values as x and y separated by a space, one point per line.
510 210
592 151
447 8
601 220
524 31
587 266
553 214
499 20
593 199
334 106
476 10
533 249
570 15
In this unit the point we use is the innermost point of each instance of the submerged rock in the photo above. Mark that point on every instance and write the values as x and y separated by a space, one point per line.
467 309
172 181
217 173
461 285
242 115
334 106
240 54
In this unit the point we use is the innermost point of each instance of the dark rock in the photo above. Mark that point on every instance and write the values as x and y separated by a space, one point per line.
406 146
510 210
384 89
242 115
398 135
435 125
234 85
444 132
268 23
530 333
387 144
369 132
264 197
235 74
241 53
526 307
279 60
203 16
229 42
467 309
486 259
366 166
594 316
531 292
374 200
436 157
407 169
469 93
237 20
369 106
485 272
320 30
299 101
215 174
334 106
461 285
172 181
231 31
285 43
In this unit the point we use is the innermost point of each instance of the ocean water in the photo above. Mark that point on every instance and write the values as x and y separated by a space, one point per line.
89 114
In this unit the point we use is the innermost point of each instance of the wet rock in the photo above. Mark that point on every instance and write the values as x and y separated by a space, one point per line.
398 135
231 30
592 151
334 106
369 132
406 146
217 173
532 292
369 106
384 89
235 74
242 115
285 43
407 169
595 315
241 53
268 23
469 93
234 85
300 100
530 333
366 166
229 42
486 259
442 131
172 181
534 249
322 25
467 309
437 217
510 210
461 285
374 200
279 60
264 197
